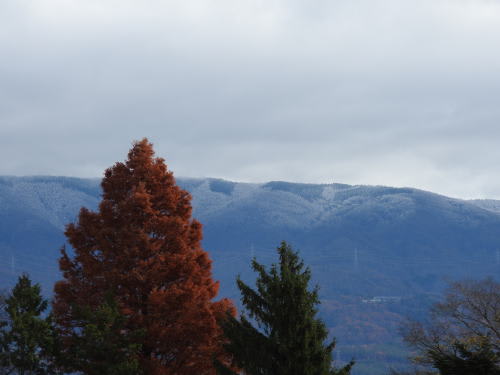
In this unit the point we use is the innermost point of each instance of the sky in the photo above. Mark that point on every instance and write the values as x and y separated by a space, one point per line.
377 92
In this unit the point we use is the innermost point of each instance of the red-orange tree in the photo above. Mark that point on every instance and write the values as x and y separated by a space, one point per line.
143 247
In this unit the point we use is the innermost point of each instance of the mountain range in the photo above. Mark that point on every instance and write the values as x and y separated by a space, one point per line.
361 242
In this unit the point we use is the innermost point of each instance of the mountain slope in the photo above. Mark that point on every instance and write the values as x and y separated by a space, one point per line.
360 241
377 240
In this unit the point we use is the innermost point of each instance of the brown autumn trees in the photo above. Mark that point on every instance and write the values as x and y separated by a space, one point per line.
463 333
143 247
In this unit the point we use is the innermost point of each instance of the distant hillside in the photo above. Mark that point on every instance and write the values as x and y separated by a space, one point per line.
361 241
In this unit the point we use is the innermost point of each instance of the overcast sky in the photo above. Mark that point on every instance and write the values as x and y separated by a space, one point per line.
390 92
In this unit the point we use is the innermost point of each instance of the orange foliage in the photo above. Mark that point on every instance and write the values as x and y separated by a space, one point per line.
143 246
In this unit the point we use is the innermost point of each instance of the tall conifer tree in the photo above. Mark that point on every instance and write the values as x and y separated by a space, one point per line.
26 337
288 338
143 247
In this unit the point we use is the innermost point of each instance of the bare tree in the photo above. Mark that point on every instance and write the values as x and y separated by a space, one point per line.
464 327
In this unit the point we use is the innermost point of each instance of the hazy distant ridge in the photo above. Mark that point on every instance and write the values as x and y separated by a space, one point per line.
384 225
360 241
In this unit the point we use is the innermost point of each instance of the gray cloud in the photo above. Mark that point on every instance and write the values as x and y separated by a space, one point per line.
390 92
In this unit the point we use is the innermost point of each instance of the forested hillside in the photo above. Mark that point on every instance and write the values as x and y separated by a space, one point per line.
360 241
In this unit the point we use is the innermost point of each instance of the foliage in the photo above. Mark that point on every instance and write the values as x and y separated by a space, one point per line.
3 305
288 339
414 372
104 346
143 246
26 337
463 335
466 359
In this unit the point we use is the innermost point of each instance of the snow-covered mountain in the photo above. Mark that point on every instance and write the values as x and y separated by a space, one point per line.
366 229
360 241
492 205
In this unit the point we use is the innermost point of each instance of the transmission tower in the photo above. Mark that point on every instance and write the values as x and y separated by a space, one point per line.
356 260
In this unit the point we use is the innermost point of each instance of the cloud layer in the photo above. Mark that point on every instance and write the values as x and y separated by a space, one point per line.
392 92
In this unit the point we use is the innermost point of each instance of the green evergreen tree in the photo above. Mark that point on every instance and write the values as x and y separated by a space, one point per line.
3 322
103 346
288 339
26 337
3 313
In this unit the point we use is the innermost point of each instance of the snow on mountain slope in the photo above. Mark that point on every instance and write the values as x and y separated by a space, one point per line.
487 204
57 200
360 241
53 199
396 233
